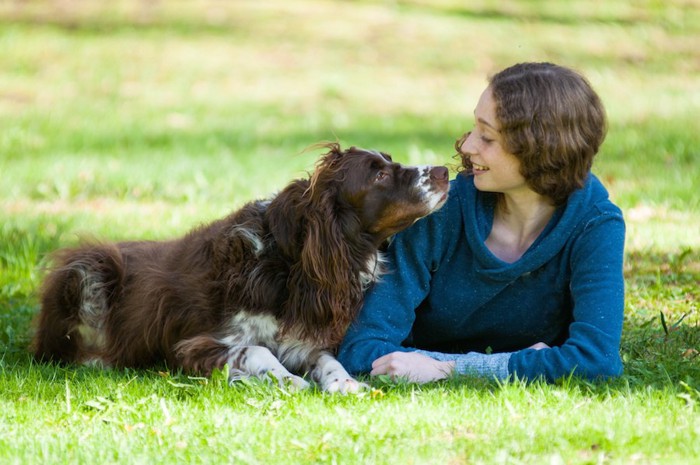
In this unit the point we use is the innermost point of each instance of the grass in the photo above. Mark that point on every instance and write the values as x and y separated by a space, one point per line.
149 418
136 119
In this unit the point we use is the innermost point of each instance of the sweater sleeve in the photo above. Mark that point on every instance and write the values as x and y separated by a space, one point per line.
597 290
475 364
388 312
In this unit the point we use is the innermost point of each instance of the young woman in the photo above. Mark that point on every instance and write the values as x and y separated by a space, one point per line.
520 273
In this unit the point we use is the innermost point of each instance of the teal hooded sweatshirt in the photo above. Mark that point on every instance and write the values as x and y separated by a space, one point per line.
447 296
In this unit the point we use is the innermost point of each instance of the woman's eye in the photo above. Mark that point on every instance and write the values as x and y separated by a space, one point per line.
486 140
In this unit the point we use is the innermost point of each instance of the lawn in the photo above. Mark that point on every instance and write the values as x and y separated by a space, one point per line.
141 119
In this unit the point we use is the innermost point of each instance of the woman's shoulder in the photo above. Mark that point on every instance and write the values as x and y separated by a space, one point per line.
598 205
597 221
460 201
463 185
586 218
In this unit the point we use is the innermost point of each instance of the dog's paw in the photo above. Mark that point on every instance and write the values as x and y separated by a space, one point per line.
290 381
344 385
296 383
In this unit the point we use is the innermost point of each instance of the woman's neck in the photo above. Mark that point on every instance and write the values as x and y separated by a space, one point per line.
518 221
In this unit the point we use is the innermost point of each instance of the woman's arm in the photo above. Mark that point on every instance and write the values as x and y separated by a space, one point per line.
388 313
592 349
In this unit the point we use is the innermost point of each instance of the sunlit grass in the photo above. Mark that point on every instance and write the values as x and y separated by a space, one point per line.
152 88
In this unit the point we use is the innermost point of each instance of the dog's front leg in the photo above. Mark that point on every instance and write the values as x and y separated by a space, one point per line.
330 374
260 362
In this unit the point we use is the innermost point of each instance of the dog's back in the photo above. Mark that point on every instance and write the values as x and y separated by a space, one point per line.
130 303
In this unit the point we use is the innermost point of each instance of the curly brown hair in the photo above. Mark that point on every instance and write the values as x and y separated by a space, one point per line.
552 120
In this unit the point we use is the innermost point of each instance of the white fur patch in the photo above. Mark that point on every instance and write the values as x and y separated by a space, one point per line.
373 270
93 303
93 307
91 338
423 183
251 329
256 335
247 329
250 236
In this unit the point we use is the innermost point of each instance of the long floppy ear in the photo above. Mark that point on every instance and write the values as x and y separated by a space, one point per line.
324 293
287 211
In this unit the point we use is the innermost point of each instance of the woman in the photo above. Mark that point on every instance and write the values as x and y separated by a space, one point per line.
520 273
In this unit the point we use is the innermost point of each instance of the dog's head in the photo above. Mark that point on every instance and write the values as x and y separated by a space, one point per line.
330 228
386 196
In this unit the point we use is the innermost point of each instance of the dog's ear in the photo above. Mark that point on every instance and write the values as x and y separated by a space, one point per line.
323 291
325 177
286 214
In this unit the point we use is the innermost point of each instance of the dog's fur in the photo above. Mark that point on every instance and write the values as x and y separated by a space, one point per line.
269 289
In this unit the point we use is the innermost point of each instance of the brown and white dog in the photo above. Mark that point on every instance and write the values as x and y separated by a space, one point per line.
268 290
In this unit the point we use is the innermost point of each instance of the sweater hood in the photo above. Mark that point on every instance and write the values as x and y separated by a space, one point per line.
478 210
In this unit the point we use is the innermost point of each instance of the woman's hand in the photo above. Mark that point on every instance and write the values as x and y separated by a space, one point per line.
415 367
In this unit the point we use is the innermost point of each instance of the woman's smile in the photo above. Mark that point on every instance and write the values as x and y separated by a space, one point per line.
477 168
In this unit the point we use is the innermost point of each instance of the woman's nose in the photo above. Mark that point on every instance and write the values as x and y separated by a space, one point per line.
468 145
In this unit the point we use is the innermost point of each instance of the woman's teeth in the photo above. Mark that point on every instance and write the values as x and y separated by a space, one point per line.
478 167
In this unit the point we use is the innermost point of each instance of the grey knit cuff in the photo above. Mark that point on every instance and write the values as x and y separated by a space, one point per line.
474 363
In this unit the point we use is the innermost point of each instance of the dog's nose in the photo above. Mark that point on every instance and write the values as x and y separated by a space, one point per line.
438 173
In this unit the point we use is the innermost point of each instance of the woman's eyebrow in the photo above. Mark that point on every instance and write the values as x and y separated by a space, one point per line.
483 121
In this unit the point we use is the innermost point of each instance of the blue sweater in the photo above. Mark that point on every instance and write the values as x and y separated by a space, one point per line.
449 297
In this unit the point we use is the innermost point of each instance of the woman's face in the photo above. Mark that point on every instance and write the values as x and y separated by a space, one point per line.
494 168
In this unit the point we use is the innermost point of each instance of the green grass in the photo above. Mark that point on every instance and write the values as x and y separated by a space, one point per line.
136 119
147 418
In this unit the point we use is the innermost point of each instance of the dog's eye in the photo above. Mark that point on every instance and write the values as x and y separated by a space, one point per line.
380 175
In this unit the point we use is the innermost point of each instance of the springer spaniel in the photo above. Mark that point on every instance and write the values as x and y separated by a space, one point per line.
268 290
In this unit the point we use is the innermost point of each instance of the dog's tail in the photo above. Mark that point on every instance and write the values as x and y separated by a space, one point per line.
76 296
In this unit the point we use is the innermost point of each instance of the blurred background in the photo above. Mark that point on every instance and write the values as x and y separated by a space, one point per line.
140 118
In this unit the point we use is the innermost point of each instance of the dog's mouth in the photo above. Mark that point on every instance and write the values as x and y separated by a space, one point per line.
435 186
436 201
